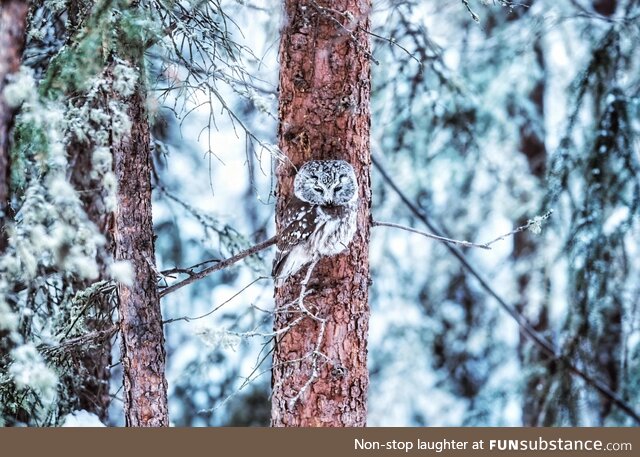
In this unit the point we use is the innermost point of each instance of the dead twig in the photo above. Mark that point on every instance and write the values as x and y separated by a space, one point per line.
221 265
532 224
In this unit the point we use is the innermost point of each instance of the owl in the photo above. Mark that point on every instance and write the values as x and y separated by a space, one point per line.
320 219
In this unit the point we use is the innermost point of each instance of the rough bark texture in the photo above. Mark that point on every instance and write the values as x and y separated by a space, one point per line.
90 370
324 114
143 354
87 380
13 22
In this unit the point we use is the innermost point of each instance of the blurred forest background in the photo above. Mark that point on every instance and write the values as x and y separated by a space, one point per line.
485 114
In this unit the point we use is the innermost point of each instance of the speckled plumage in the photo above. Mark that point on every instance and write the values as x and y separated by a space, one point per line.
320 219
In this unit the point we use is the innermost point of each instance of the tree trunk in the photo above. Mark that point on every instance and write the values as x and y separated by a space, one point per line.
88 378
90 373
143 354
13 22
320 373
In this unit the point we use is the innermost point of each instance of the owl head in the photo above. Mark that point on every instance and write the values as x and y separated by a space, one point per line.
326 182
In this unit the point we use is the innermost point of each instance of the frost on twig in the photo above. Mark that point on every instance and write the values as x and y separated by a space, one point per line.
429 235
534 225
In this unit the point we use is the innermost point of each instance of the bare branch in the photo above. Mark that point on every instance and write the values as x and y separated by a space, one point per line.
187 271
189 319
474 16
254 333
219 266
532 224
83 340
393 42
468 244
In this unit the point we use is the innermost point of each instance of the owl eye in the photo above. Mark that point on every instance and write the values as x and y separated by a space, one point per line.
337 188
318 189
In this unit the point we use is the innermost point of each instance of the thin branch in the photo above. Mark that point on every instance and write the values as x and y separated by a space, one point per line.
545 345
254 333
189 319
255 374
82 340
219 266
474 16
315 369
533 224
430 235
187 271
304 293
393 42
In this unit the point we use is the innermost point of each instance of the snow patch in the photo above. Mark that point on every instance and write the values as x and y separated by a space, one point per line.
122 271
82 418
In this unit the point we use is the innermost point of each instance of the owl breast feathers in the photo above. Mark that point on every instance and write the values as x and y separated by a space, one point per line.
320 219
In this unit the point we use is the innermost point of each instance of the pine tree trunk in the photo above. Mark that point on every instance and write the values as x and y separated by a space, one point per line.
89 376
143 354
13 22
13 18
322 379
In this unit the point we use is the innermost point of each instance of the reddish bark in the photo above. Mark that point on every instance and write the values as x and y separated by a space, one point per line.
13 22
324 114
90 370
143 353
